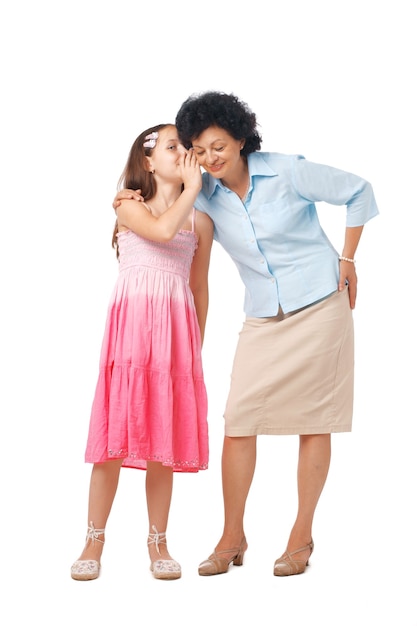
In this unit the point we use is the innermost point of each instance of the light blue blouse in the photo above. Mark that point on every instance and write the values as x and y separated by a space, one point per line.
274 237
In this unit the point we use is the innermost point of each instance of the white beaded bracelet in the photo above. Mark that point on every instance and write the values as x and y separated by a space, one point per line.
345 258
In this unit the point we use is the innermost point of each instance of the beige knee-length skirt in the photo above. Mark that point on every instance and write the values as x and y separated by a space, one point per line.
294 374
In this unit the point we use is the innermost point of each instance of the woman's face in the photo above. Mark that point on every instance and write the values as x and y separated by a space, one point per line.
218 152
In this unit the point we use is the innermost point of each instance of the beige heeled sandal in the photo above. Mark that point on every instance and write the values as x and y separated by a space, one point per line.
88 569
163 569
287 566
218 564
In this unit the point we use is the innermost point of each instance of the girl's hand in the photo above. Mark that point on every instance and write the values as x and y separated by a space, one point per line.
190 171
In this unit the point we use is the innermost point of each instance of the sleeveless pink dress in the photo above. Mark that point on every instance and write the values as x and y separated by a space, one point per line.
150 402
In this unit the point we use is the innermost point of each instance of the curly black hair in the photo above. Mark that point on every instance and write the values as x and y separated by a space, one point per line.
216 108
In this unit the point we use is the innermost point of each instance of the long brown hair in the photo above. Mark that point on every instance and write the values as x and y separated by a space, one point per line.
136 174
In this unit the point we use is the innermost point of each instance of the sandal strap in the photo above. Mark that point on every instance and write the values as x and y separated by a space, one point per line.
232 550
93 533
156 538
309 546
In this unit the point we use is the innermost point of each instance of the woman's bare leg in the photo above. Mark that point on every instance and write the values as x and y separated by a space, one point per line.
238 467
313 468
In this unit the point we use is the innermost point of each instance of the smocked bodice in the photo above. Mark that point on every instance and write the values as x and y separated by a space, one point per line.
173 256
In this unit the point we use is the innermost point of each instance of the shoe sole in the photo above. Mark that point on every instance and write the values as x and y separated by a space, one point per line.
81 577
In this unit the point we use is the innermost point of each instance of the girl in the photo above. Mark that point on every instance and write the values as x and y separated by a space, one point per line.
150 406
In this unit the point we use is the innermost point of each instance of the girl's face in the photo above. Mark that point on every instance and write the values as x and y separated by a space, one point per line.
166 154
218 152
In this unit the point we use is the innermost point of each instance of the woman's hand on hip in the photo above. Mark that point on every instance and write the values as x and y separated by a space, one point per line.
348 279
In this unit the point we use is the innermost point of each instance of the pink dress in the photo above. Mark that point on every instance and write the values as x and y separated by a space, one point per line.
150 402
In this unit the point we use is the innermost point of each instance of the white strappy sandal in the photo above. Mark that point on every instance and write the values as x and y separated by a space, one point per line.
164 569
88 569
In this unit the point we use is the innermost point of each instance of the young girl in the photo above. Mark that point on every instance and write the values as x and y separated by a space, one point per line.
150 406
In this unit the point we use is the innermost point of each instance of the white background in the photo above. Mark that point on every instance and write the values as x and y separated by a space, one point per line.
334 81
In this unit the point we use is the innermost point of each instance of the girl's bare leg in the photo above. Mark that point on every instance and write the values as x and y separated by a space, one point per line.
159 483
103 486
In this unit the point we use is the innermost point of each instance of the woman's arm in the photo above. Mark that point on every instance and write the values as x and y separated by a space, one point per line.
200 268
127 194
347 273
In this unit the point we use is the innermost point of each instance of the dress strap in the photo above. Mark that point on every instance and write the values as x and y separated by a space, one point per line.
193 220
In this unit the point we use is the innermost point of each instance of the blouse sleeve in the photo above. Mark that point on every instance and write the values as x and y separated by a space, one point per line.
322 183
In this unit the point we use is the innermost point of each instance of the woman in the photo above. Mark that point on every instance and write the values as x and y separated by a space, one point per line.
293 367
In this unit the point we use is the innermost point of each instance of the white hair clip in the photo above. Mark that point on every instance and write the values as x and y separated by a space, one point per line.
150 140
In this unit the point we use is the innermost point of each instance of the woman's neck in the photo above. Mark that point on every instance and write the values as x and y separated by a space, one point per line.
238 181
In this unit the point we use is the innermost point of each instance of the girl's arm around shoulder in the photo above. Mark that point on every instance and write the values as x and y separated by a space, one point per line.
200 268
